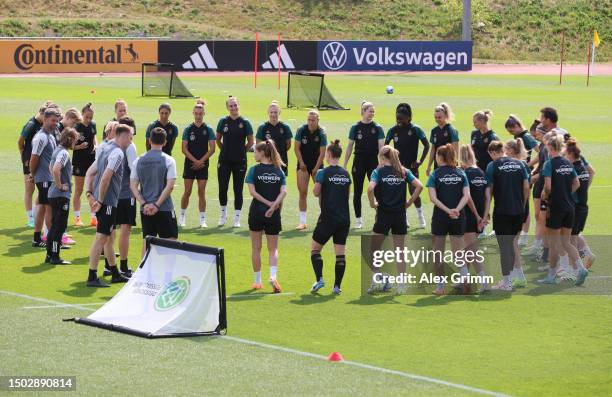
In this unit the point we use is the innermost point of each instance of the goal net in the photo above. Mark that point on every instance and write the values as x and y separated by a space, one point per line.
160 79
308 90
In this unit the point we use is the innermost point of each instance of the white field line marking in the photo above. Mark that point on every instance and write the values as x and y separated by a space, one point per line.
367 366
63 305
600 186
298 352
258 295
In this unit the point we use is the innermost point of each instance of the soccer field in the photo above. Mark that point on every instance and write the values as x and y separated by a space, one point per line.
520 344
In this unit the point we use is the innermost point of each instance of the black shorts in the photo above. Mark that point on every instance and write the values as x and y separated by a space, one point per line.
201 174
43 192
106 216
560 219
310 166
162 224
394 221
326 230
26 168
507 225
450 227
580 217
471 225
80 167
258 222
126 212
538 187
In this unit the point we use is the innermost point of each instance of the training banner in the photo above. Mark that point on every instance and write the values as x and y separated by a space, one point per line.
394 55
234 56
66 56
178 290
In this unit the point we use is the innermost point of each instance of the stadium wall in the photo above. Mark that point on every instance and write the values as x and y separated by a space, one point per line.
62 55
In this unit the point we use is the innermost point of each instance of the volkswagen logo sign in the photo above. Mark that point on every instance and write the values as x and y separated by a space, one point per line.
334 55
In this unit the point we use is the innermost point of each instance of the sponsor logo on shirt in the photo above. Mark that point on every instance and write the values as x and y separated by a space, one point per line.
268 178
564 170
510 167
338 179
584 177
479 181
395 138
392 180
450 179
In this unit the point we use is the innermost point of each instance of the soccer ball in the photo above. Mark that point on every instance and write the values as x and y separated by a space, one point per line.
389 89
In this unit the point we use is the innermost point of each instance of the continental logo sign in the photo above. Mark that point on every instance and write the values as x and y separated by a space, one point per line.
65 56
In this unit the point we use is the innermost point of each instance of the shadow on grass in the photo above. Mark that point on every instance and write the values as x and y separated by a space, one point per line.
378 299
79 289
433 300
40 268
312 299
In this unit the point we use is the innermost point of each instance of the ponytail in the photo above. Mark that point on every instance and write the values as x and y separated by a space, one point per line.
392 155
571 147
446 110
447 152
269 150
334 149
517 147
484 115
87 108
466 156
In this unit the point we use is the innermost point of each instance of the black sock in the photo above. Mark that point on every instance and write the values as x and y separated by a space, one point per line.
37 237
545 255
106 264
124 265
93 274
340 267
317 264
114 271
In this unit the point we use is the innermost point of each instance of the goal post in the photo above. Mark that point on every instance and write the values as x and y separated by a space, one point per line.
308 90
160 79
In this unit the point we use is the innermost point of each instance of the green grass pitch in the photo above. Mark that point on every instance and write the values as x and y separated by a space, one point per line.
517 345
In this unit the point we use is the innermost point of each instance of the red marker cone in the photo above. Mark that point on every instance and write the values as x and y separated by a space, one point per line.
335 356
93 91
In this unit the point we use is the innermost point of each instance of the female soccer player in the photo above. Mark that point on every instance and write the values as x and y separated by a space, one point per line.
310 143
268 187
278 131
449 191
390 182
367 137
516 149
539 248
406 137
442 134
83 157
332 186
198 145
121 110
515 127
59 194
508 184
164 122
560 181
581 209
482 136
71 118
474 221
24 143
232 132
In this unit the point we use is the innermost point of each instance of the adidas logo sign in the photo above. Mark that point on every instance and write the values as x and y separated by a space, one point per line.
201 59
285 60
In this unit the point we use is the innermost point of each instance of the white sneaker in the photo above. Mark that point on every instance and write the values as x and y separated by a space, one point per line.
523 240
182 221
236 221
401 289
492 234
407 221
222 219
422 222
203 223
501 286
358 223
